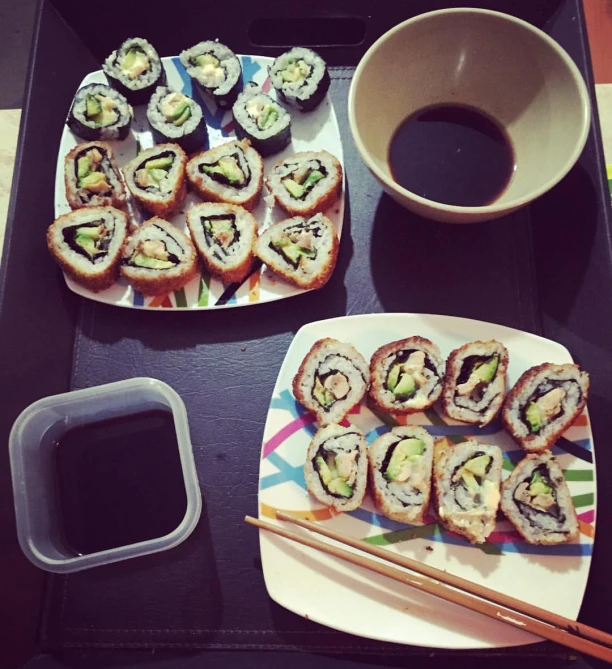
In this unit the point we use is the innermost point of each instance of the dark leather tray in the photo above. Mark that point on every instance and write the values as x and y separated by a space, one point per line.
546 269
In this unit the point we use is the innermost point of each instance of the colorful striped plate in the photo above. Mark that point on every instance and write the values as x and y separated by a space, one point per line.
313 131
353 600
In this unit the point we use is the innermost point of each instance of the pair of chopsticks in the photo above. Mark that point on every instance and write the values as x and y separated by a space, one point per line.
451 588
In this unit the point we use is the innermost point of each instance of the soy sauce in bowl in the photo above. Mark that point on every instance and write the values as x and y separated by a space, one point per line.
452 154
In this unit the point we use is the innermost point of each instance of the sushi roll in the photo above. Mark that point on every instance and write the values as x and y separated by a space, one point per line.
262 121
400 473
158 258
216 68
475 382
156 179
224 235
92 177
175 117
536 500
406 375
231 173
306 183
336 468
302 251
331 380
301 78
466 482
99 112
86 243
135 69
544 403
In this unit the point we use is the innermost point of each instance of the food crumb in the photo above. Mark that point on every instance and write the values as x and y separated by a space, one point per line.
243 348
306 616
429 548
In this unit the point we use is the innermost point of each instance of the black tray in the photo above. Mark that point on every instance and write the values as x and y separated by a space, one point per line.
545 269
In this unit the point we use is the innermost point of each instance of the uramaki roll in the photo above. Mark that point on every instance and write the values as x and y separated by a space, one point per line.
400 473
336 467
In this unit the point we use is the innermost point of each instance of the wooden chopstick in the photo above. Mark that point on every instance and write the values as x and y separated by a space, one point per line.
439 589
456 581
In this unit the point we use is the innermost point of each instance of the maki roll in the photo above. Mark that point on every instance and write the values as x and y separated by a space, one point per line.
135 69
158 258
156 178
536 500
302 251
86 244
331 380
92 177
301 78
400 473
336 467
466 482
231 173
306 183
262 121
406 375
216 68
545 401
475 382
175 117
224 235
99 112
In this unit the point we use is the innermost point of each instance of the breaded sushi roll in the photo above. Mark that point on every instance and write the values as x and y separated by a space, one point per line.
536 500
135 69
400 473
300 77
406 375
224 235
331 380
466 482
92 177
158 258
336 468
216 69
99 112
545 401
175 117
262 121
156 179
307 182
302 251
87 242
475 382
232 173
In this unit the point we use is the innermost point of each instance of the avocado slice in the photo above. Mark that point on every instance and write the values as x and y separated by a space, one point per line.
268 117
323 396
478 465
140 260
312 179
291 73
539 485
183 116
206 59
159 163
534 417
88 244
83 166
324 471
406 450
393 376
339 486
92 106
470 481
157 174
94 179
486 371
295 189
405 388
229 168
92 233
134 58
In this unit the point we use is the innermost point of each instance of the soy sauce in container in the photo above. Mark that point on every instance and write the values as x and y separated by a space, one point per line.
452 154
119 481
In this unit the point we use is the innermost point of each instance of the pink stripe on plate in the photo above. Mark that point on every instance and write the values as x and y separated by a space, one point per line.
587 516
284 433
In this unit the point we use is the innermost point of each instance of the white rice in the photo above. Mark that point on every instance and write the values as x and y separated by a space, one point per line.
228 62
112 68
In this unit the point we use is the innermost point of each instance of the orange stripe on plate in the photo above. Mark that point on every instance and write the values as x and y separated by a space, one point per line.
313 514
586 529
581 421
158 301
254 286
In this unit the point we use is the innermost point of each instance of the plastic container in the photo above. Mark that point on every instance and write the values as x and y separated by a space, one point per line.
31 447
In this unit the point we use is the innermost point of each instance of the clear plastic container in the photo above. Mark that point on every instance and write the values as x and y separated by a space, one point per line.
31 447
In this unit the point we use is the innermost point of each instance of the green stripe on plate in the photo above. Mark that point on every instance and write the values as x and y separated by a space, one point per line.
204 292
180 298
584 500
578 474
389 538
507 465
